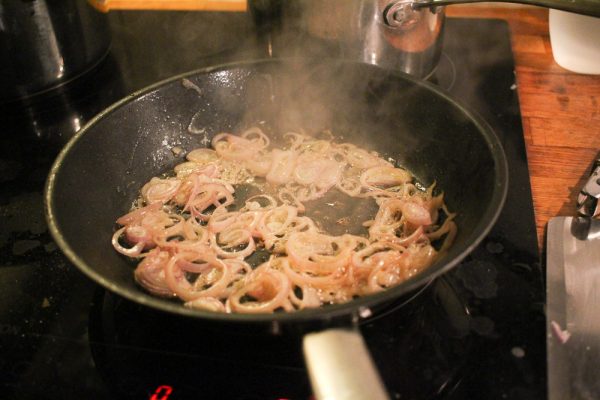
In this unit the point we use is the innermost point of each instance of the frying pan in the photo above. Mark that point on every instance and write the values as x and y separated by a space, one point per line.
101 170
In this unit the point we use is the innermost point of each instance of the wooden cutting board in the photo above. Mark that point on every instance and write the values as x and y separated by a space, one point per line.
200 5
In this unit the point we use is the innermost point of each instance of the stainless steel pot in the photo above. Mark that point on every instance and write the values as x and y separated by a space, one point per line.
388 33
405 35
44 43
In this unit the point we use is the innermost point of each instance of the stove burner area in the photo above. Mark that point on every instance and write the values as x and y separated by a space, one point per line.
478 332
424 338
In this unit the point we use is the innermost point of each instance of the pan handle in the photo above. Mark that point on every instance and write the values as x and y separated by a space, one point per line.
585 7
340 367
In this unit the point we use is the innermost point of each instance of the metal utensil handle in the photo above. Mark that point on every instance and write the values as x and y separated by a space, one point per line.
340 367
585 7
588 200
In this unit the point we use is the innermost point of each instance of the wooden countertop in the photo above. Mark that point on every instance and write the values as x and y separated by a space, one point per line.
560 111
195 5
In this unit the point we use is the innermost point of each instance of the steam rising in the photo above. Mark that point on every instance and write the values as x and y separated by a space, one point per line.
325 82
357 103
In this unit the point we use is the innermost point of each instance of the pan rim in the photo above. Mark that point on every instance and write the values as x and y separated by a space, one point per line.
352 308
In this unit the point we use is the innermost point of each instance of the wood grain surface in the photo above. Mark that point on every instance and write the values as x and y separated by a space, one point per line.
197 5
560 111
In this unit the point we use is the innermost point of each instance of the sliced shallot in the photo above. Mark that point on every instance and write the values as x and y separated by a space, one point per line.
193 240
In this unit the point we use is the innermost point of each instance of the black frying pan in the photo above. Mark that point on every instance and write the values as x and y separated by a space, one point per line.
100 171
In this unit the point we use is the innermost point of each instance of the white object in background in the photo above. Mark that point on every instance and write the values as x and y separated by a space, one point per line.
575 41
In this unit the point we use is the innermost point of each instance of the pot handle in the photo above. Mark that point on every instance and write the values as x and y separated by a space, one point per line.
340 367
585 7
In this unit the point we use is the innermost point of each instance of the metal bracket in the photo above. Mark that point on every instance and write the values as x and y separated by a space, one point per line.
401 15
587 200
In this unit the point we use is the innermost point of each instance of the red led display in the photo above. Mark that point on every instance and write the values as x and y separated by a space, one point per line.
162 392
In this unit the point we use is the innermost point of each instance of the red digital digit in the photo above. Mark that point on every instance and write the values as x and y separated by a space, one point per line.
162 393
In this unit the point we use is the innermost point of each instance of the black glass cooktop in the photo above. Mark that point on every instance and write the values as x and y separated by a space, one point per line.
476 333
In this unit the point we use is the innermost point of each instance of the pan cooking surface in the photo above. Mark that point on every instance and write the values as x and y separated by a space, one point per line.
419 126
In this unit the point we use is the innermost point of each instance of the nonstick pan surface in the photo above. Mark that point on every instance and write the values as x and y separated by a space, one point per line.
99 173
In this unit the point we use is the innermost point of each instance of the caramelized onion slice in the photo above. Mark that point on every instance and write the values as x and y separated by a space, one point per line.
362 159
321 172
206 304
150 273
385 176
136 215
177 280
202 156
265 290
160 190
282 166
318 253
416 213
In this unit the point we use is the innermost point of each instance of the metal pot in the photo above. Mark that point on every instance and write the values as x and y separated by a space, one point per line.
382 32
405 35
45 43
388 33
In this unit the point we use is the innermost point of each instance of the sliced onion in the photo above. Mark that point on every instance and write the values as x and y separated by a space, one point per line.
202 156
260 164
270 287
252 203
282 166
135 234
419 258
362 159
206 304
310 298
136 215
296 139
449 228
236 148
200 258
256 136
332 280
150 273
177 281
215 285
385 177
160 190
331 173
205 195
277 220
245 252
288 197
186 168
375 257
416 213
384 276
134 251
220 221
321 172
192 230
317 253
349 186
